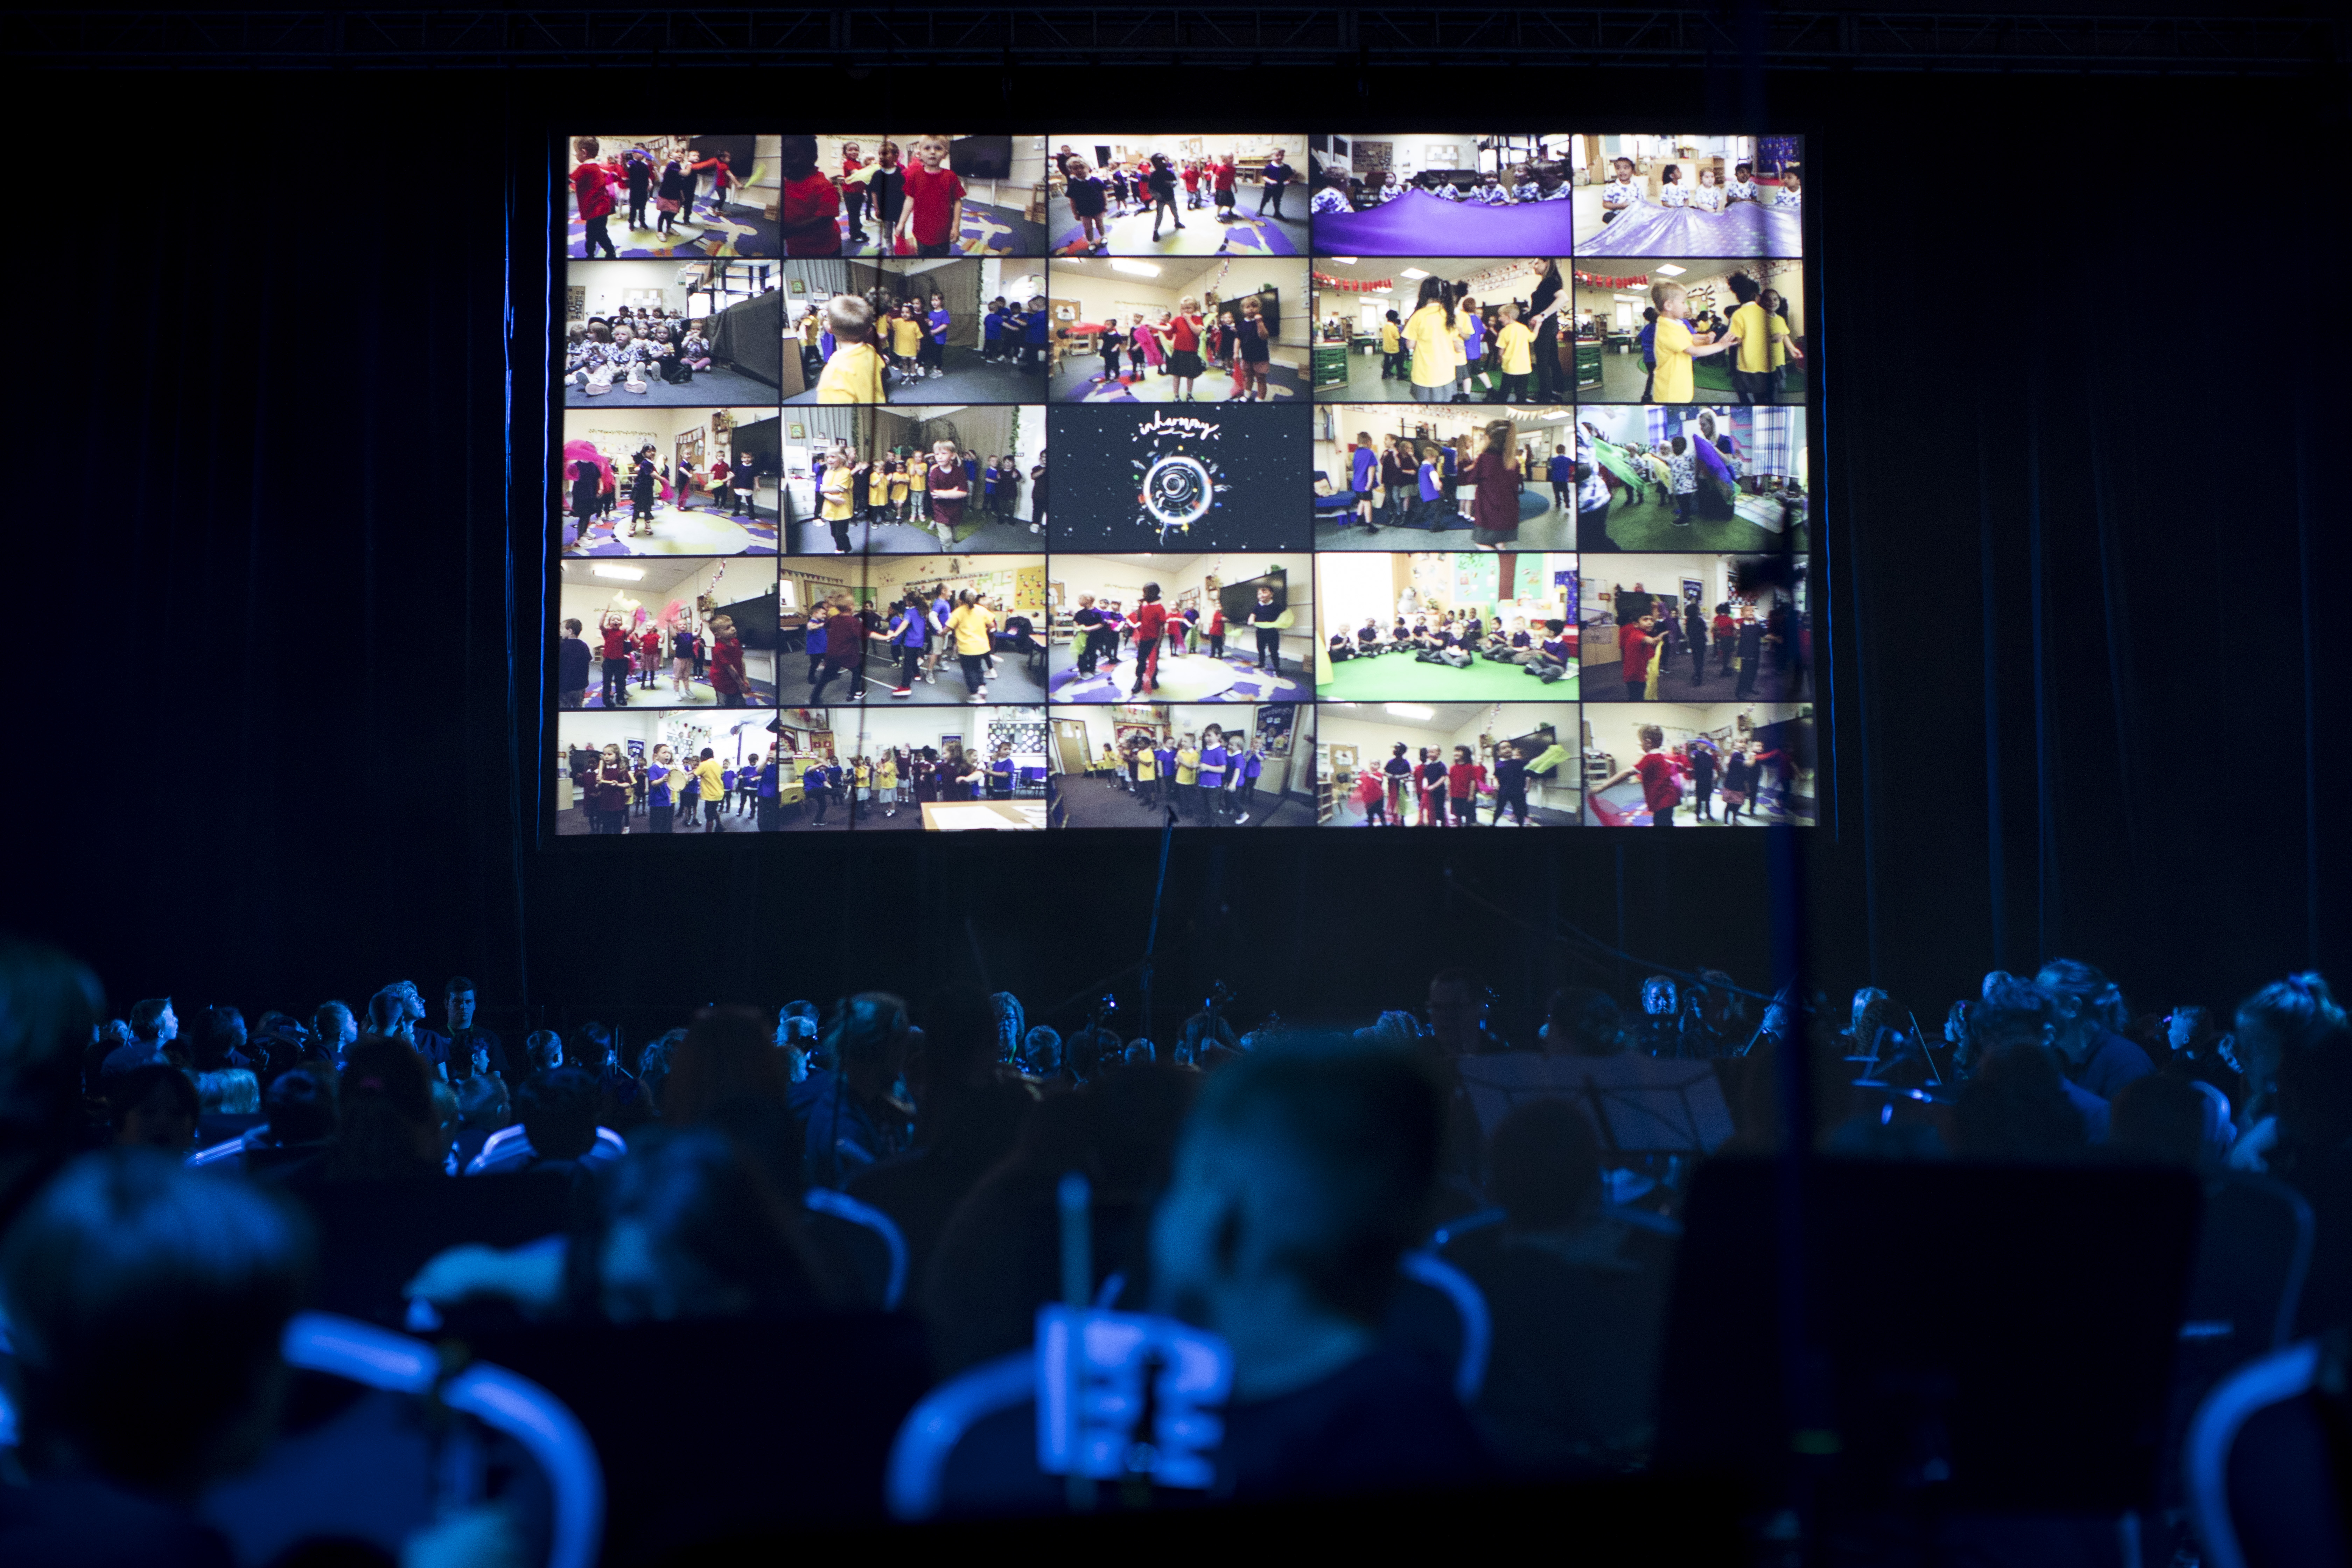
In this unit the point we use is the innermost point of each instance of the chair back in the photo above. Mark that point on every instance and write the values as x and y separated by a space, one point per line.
2265 1461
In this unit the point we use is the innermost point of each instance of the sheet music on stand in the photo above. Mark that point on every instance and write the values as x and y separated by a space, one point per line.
1639 1105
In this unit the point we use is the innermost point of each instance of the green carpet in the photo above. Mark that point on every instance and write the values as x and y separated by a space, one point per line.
1398 678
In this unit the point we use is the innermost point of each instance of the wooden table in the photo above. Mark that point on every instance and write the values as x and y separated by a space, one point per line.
982 815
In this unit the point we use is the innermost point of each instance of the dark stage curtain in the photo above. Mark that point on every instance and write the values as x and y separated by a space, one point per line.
2081 503
750 336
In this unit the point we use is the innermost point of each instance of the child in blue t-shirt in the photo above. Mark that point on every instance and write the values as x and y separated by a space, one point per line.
991 331
1646 341
1561 472
1034 334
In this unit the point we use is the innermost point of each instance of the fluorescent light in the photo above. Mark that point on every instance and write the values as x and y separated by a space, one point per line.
1561 415
1341 261
1379 290
1668 269
619 574
1412 272
1408 710
1139 268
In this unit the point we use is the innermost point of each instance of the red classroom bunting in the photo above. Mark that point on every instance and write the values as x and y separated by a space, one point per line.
1638 280
1358 285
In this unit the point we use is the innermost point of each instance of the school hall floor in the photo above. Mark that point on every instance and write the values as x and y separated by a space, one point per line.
1365 383
697 530
1345 813
1403 678
718 388
1604 681
1621 376
1244 234
1192 676
1015 680
909 539
1542 526
1074 381
571 822
969 378
1089 801
708 231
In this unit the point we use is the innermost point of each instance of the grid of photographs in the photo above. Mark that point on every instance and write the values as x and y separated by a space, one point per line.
1403 480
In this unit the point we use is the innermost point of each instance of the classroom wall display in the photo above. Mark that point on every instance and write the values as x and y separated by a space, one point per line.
1548 567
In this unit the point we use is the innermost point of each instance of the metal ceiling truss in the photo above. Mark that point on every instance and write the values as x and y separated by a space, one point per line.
1236 36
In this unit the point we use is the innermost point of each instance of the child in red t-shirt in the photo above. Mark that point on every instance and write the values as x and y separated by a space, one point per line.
933 214
1222 174
1463 781
1635 645
591 189
1151 620
649 647
1662 788
727 663
853 192
808 210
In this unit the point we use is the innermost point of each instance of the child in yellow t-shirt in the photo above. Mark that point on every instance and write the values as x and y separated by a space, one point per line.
834 496
1758 332
1391 367
1515 345
898 488
1675 346
854 374
906 341
1147 776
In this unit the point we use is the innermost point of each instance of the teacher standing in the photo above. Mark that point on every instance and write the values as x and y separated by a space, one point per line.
1551 386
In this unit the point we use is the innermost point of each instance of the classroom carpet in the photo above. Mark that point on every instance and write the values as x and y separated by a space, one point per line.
1075 382
986 231
1651 526
1621 377
709 231
969 379
717 387
1085 802
697 530
1244 233
1187 678
1402 678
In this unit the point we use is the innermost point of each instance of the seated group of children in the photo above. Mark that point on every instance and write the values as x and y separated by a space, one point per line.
600 355
1455 637
1340 192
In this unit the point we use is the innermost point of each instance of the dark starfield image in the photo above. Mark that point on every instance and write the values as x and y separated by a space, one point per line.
1217 477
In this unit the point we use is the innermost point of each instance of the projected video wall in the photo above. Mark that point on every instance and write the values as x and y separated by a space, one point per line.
1276 480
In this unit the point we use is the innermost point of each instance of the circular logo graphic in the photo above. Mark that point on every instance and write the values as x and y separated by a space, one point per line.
1178 490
